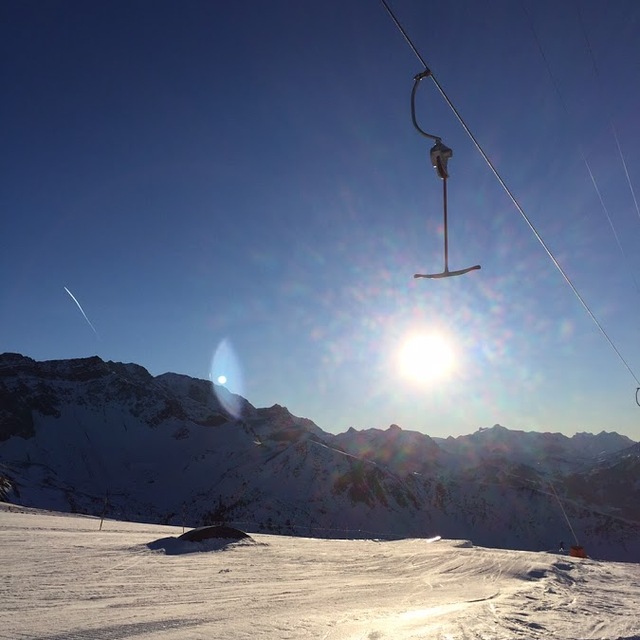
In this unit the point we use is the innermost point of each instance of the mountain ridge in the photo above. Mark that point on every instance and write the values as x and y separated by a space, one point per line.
87 435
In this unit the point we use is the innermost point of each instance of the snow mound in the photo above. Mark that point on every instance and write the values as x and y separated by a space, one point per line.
216 538
217 531
463 544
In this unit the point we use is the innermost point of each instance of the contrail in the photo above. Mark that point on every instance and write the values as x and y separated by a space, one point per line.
82 311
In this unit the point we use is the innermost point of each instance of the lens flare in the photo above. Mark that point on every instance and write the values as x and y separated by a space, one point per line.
227 372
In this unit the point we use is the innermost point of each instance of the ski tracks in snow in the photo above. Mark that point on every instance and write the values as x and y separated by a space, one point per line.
64 580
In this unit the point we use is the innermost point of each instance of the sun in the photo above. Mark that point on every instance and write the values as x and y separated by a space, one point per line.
426 357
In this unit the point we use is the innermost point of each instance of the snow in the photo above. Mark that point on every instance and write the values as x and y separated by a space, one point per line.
65 579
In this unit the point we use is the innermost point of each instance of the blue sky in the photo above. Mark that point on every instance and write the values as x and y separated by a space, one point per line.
244 179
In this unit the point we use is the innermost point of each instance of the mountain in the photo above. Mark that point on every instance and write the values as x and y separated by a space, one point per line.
404 452
99 437
546 451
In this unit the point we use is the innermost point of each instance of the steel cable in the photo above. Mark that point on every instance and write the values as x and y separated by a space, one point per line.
510 193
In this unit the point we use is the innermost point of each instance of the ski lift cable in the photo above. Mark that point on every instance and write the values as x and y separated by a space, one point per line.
538 485
555 493
510 194
596 71
565 108
613 229
575 537
613 129
626 170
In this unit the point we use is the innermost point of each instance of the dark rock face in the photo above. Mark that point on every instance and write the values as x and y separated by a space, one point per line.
28 387
15 415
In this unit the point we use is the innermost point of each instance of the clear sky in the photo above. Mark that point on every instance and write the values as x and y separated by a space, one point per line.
243 179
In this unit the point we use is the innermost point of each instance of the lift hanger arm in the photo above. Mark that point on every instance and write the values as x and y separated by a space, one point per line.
416 82
439 155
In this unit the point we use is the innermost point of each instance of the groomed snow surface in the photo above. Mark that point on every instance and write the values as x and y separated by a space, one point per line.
64 579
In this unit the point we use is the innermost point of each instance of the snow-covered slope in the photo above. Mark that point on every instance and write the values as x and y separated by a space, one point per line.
103 437
64 578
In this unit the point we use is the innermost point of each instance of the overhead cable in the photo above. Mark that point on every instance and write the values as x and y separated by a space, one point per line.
613 128
509 192
565 108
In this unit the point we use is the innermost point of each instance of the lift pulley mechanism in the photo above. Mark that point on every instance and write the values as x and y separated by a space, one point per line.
440 155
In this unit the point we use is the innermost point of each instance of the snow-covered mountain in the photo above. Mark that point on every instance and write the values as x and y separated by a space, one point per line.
101 437
545 451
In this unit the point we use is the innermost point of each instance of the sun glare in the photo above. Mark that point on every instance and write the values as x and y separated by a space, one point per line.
426 357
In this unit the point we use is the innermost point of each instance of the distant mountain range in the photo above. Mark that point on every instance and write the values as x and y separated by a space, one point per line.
100 437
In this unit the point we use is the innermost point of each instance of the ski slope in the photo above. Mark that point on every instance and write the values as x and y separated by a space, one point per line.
64 579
